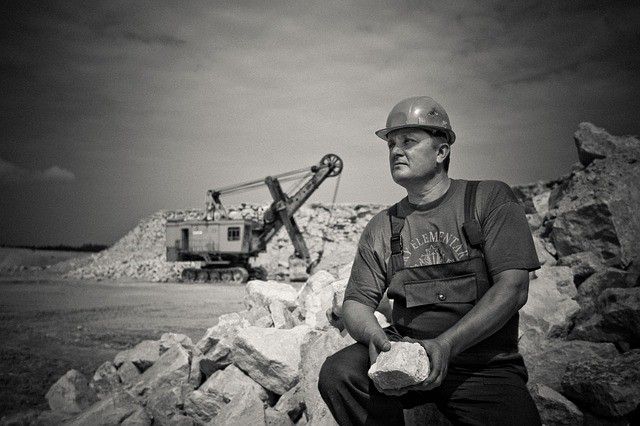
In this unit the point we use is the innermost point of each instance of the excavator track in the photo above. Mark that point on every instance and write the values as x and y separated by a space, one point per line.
235 275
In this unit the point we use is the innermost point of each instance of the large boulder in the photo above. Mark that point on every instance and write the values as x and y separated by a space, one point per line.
114 410
543 254
262 293
593 286
292 403
554 408
105 380
128 373
169 339
588 227
316 305
550 307
142 355
270 356
595 143
228 325
165 403
281 315
315 351
613 317
243 409
223 386
608 387
213 350
596 206
547 360
583 264
171 369
405 364
71 393
621 313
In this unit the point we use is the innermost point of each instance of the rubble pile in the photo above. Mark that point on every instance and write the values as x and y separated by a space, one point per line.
140 255
256 366
579 331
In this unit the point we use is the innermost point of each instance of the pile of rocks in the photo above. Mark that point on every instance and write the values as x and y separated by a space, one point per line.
257 366
141 254
580 327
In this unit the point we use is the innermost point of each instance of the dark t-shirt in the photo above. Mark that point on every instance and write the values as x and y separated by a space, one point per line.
432 234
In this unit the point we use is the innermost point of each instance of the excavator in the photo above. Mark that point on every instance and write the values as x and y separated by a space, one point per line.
225 245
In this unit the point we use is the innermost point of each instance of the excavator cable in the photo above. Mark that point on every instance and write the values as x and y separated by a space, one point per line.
328 224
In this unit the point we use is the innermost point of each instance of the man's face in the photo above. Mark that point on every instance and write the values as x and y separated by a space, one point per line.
412 156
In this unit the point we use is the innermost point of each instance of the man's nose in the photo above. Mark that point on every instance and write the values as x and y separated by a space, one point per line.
396 151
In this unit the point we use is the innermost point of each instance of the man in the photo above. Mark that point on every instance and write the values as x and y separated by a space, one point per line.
455 257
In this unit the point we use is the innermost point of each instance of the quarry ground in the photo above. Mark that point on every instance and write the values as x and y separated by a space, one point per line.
49 326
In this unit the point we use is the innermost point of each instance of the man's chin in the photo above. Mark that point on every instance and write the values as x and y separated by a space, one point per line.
399 177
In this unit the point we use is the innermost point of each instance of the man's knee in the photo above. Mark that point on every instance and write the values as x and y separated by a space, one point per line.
347 367
332 375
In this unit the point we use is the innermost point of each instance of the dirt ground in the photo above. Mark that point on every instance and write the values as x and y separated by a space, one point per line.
49 326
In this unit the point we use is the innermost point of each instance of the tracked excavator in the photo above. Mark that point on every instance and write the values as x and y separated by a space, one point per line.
225 245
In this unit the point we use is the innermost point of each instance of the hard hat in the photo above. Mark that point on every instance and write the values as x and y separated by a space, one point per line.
421 112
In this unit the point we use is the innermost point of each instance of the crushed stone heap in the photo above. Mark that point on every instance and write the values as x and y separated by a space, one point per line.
140 255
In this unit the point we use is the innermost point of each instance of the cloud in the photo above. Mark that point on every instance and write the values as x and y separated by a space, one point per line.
11 173
161 39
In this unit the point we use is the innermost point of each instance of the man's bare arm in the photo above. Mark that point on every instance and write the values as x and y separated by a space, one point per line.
363 326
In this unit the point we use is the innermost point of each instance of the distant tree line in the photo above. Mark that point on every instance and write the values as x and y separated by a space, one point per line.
94 248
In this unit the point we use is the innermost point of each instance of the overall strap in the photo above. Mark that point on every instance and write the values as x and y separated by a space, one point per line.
396 261
471 226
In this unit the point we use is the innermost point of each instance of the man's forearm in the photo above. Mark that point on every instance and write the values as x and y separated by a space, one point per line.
507 295
360 321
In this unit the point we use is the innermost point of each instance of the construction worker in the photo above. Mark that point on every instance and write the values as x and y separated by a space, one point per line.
454 256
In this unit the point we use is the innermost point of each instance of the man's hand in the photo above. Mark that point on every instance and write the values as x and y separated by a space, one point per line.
378 342
439 353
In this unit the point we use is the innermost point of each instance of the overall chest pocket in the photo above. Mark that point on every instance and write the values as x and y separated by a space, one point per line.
459 289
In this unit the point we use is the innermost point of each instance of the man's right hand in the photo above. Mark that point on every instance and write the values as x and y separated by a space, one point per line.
378 343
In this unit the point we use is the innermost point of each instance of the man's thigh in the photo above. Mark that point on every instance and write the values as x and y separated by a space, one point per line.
491 396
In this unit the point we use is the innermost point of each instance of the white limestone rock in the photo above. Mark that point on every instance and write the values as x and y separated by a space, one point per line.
551 306
405 364
169 339
71 393
142 355
281 315
315 350
243 409
128 373
171 369
270 356
105 379
116 409
262 293
315 307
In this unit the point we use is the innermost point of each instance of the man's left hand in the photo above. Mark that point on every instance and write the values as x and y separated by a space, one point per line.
439 353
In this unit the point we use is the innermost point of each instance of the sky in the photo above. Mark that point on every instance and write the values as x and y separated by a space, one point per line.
113 110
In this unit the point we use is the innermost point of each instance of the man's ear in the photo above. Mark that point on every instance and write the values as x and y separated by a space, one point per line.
443 152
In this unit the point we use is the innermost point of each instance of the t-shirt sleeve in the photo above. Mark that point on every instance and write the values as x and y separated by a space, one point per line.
367 282
508 243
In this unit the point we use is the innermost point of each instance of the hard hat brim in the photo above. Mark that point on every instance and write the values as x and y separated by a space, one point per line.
383 133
